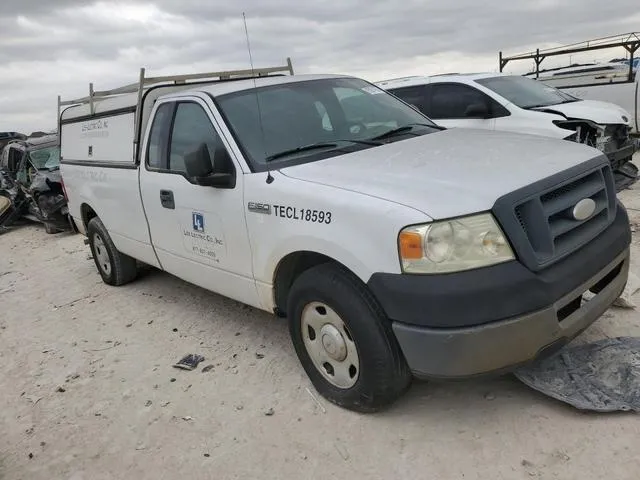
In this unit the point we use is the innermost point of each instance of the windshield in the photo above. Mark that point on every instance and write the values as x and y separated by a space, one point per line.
45 158
305 121
525 92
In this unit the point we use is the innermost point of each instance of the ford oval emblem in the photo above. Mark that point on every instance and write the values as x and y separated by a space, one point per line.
584 209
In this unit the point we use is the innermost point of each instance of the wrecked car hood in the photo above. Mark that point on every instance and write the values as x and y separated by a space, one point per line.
449 173
599 112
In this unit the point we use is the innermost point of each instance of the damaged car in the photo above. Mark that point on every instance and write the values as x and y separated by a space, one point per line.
517 104
31 186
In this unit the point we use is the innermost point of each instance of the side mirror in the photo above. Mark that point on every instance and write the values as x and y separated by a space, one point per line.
477 110
202 171
198 162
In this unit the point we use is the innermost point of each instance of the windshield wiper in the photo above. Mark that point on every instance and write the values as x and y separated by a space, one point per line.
304 148
402 129
318 145
570 100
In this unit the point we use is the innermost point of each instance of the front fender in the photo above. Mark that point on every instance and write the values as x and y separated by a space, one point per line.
362 234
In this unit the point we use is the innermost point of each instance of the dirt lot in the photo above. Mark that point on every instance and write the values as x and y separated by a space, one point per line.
88 392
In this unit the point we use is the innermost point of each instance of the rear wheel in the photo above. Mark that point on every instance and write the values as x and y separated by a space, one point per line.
344 340
115 267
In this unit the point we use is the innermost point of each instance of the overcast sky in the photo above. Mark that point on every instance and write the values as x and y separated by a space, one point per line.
51 47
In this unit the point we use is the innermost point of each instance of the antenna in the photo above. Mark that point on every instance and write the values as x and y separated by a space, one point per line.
255 89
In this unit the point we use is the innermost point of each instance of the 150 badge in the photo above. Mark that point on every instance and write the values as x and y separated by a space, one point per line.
302 214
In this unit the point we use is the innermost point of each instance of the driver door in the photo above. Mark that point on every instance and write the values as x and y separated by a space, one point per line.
198 232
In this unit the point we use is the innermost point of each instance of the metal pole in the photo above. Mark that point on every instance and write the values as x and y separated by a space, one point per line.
537 63
632 51
138 116
500 60
58 120
91 98
290 65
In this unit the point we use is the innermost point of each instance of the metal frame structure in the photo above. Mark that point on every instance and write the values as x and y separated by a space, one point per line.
629 41
147 82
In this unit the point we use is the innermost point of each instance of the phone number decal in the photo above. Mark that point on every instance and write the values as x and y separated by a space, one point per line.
302 214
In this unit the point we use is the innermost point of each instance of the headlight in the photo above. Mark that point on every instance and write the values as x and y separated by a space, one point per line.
453 245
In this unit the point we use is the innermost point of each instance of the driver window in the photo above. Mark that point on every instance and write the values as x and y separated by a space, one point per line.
191 128
452 101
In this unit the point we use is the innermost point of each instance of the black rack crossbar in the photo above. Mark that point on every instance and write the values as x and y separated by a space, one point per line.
629 41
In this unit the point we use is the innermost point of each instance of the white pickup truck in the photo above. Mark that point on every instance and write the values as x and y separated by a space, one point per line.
392 246
512 103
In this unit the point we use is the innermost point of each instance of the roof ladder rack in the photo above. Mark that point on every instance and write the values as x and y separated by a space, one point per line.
629 41
145 82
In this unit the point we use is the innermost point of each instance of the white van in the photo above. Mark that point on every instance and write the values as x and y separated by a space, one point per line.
392 246
514 103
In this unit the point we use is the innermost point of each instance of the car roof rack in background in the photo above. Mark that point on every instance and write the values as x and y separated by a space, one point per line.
148 82
629 41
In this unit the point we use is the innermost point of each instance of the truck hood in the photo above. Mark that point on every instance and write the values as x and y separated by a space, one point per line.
603 113
449 173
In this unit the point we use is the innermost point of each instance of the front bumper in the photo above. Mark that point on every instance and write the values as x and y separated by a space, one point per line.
497 318
504 345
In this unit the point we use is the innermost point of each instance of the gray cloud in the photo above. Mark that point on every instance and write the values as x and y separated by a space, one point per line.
51 48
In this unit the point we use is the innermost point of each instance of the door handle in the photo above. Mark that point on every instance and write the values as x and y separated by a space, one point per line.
166 199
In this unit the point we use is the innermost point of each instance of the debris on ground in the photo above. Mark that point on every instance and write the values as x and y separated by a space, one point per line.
189 362
342 450
315 399
602 376
270 412
208 368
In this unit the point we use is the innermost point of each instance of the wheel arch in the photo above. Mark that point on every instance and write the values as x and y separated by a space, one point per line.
87 213
290 267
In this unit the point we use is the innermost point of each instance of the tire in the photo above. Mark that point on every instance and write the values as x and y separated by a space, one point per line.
114 267
381 376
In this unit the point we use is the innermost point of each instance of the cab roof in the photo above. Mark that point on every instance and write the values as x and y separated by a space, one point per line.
129 101
223 88
444 77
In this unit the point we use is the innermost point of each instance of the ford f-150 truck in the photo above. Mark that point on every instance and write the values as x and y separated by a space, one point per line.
394 247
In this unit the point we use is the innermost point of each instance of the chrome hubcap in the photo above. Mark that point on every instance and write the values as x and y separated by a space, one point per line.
330 345
102 256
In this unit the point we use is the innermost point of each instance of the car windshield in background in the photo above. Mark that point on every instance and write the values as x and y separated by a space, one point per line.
525 92
310 120
45 158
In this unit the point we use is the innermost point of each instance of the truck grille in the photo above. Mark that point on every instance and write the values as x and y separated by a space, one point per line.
542 228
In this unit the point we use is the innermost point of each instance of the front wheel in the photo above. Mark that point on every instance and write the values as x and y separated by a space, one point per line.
344 341
114 267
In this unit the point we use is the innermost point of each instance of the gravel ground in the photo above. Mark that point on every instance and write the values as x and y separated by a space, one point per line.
88 391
